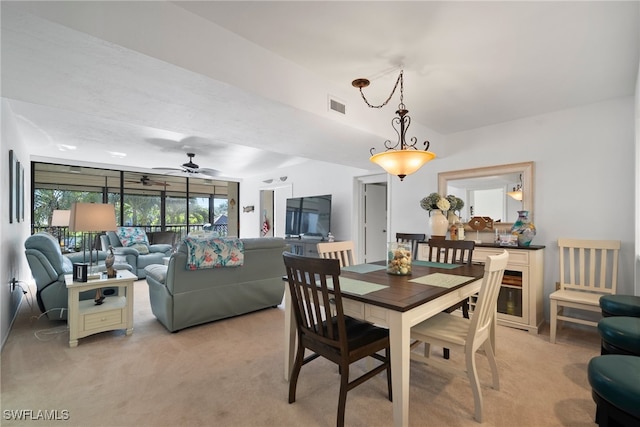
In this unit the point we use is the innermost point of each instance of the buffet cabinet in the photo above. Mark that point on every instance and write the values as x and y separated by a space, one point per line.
520 302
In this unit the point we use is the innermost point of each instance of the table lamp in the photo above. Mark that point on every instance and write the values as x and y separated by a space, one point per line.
60 218
92 218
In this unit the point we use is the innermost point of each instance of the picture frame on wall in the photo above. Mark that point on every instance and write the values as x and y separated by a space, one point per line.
18 190
12 185
22 195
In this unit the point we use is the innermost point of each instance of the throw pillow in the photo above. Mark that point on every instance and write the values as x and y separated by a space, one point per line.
130 236
141 248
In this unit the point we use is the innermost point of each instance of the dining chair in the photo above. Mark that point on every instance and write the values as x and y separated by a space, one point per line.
469 335
588 270
342 251
414 239
452 252
324 329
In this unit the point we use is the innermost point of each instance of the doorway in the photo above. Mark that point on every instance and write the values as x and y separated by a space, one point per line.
372 221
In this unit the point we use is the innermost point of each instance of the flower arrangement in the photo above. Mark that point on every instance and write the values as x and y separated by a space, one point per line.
456 203
435 201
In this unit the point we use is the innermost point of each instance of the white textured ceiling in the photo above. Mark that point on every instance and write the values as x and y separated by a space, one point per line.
245 84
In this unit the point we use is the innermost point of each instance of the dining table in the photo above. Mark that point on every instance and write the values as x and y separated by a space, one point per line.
397 302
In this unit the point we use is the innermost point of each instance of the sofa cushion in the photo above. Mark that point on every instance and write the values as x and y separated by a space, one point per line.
157 271
141 248
130 236
213 253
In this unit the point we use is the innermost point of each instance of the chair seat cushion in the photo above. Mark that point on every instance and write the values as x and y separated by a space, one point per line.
442 326
620 305
581 297
360 333
621 332
614 377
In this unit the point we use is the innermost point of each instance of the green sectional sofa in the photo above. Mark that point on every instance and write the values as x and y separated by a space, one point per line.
181 297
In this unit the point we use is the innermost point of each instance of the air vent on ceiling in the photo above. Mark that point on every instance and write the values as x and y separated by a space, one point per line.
336 105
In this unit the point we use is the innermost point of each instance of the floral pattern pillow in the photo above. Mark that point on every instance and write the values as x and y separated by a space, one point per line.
213 253
130 236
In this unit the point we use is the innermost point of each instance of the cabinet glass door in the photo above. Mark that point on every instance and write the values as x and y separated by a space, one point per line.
512 298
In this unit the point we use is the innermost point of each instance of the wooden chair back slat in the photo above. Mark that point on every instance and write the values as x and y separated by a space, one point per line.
342 251
589 265
451 251
414 239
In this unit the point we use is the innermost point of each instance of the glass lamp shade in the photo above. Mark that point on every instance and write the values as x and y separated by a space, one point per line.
402 162
516 194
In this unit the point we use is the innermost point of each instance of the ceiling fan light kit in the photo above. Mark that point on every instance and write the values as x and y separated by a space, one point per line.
190 168
401 158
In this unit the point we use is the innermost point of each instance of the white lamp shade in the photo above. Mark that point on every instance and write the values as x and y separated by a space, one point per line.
89 217
60 218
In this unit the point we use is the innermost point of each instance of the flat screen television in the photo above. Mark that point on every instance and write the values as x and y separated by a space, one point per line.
308 217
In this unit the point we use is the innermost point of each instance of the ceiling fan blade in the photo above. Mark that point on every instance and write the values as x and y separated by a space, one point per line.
167 169
208 172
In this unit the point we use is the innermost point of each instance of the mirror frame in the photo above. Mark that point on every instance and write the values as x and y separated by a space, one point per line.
524 168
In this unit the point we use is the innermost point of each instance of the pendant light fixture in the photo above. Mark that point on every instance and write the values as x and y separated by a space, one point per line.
516 194
401 158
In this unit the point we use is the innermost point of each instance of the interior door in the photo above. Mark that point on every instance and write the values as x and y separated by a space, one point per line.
375 222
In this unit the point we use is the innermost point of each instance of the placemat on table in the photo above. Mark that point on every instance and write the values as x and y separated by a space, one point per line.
363 268
441 279
436 264
357 287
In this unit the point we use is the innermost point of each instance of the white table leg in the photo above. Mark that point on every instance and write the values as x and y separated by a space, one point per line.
399 336
129 292
73 297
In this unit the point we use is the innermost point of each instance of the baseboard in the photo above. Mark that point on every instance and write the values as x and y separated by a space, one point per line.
16 299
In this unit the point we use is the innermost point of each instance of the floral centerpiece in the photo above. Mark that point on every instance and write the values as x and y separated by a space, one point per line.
456 203
435 201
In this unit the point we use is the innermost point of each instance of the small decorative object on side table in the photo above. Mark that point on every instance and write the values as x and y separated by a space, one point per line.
116 312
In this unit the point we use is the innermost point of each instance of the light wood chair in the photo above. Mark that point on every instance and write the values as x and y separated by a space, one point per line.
588 270
324 329
342 251
469 335
452 252
414 239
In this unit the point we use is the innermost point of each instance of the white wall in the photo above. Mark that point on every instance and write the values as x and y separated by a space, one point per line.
309 179
584 175
13 263
583 184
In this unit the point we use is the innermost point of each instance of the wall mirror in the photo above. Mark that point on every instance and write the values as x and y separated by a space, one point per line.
485 191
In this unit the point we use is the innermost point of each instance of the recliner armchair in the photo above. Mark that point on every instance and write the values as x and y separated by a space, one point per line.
134 253
48 267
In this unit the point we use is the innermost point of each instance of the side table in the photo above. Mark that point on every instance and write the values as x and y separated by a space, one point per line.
116 312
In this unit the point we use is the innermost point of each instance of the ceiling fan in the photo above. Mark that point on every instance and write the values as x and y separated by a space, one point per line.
146 181
190 168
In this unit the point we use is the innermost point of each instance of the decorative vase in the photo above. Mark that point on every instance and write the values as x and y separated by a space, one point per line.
438 223
524 229
399 258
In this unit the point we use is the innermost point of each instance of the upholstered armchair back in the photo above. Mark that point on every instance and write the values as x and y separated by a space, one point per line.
48 267
45 258
139 253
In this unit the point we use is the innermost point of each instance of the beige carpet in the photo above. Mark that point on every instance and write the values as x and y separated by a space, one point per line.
230 373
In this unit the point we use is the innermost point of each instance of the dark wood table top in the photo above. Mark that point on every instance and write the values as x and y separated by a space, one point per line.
403 295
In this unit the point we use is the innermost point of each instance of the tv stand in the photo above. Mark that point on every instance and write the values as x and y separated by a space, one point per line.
303 247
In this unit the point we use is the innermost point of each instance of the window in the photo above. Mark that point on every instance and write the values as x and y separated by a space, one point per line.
156 202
